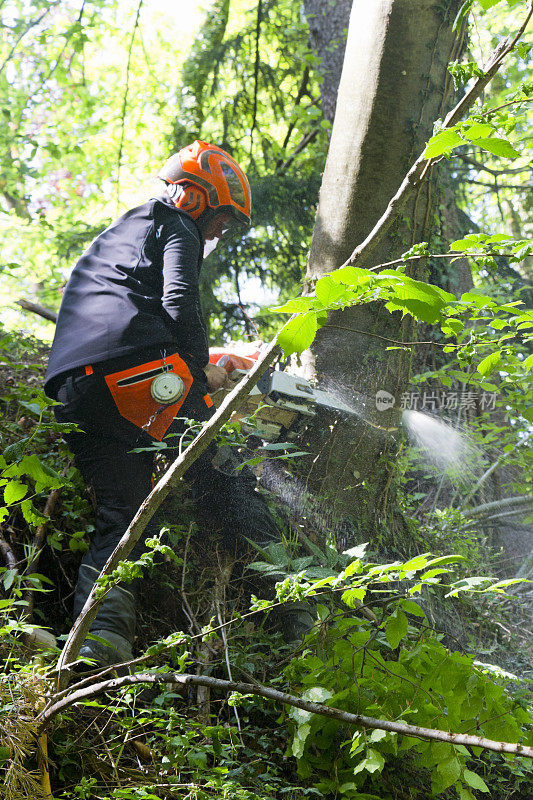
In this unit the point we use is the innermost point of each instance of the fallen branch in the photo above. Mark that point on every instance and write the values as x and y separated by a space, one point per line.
422 165
148 508
361 721
35 308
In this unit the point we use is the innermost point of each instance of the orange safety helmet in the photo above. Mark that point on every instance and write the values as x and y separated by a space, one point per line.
209 180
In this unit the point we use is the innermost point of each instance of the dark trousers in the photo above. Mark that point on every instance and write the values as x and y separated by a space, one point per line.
227 503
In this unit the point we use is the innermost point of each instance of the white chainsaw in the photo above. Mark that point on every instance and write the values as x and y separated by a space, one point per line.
278 399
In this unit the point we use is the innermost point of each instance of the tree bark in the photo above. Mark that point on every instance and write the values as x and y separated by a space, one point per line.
394 85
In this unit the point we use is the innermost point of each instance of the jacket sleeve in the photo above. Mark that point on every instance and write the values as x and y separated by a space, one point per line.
181 259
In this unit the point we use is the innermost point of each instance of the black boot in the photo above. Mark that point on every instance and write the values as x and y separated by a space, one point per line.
114 623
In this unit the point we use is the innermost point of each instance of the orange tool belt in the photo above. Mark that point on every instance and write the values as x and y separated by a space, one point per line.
130 389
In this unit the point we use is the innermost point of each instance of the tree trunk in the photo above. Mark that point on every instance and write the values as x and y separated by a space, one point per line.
394 84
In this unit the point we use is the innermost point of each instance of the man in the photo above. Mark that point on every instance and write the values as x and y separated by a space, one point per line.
130 355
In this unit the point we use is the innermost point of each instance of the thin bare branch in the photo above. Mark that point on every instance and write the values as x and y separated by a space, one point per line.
359 720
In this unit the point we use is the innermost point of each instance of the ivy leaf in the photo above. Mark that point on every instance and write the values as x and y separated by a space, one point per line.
475 781
298 333
490 363
442 143
497 146
396 628
14 491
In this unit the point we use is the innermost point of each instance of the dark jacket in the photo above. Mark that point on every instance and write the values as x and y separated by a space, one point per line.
136 286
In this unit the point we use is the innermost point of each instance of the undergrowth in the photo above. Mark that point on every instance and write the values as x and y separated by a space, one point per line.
378 648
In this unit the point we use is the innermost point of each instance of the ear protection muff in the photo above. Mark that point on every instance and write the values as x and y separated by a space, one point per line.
189 198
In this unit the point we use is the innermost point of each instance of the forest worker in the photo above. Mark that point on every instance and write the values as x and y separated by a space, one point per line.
130 355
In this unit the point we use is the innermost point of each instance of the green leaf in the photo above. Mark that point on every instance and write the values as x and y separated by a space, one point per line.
374 762
445 560
470 242
442 143
490 363
410 607
475 781
353 597
43 475
504 584
528 363
14 491
329 291
9 578
479 300
297 335
5 754
453 326
486 4
352 276
418 310
297 305
396 628
418 562
478 130
497 146
449 771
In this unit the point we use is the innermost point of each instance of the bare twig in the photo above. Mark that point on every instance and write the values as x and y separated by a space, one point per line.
496 172
26 30
148 508
383 338
125 99
256 70
422 165
307 139
504 105
359 720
